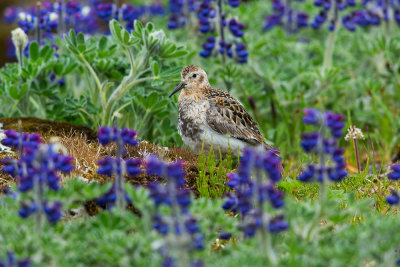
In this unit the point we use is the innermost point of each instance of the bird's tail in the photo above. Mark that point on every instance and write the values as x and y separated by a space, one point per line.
272 149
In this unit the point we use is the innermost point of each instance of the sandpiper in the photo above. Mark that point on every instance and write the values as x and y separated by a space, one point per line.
212 116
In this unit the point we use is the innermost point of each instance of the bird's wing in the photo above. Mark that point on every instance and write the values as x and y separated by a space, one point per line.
227 115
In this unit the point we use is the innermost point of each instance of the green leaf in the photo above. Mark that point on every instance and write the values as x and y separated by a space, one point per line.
103 43
80 38
115 29
69 68
13 91
138 26
155 68
176 54
152 99
58 69
81 48
34 51
72 37
126 37
45 51
141 100
150 26
23 89
171 72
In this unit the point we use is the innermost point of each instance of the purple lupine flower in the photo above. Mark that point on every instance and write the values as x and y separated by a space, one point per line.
180 223
395 174
241 52
176 176
234 3
236 27
321 144
309 141
177 18
206 14
117 166
10 14
108 199
367 15
27 209
393 199
213 21
312 116
278 224
53 212
160 225
72 7
24 140
38 166
156 8
107 135
130 12
26 21
208 47
40 169
12 261
252 192
225 236
105 11
284 15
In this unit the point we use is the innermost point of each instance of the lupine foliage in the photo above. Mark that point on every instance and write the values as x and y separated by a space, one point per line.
328 55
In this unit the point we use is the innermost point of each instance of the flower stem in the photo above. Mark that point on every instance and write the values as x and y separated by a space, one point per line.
143 120
120 91
119 176
330 43
357 156
61 28
96 79
288 15
177 221
386 21
265 237
38 23
221 28
323 182
116 14
38 188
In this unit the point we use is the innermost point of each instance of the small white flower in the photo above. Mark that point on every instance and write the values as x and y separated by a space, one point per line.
22 15
53 16
19 39
85 11
354 133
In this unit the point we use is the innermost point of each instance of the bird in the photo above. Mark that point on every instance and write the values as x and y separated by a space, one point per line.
212 118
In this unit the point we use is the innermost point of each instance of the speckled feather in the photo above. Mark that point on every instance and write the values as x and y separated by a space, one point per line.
208 114
227 115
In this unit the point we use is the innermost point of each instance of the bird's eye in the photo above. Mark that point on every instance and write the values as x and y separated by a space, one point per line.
194 75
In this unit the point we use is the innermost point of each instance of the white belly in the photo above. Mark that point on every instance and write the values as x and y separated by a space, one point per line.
221 142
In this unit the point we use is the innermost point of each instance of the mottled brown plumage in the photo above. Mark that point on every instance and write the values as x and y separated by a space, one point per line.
210 115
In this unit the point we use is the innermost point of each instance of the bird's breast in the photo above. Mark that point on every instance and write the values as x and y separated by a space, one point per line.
192 118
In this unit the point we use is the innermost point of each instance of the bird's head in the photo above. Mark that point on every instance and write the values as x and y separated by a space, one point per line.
193 79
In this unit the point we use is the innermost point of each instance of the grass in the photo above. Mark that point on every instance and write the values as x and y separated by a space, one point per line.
206 174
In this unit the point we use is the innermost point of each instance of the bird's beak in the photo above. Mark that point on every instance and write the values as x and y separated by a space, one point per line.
179 87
